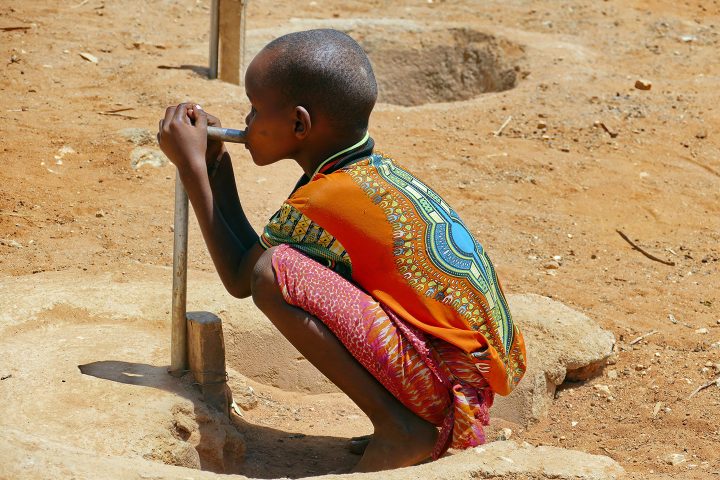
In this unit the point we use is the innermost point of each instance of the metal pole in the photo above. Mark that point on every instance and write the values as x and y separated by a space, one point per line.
214 38
243 16
178 335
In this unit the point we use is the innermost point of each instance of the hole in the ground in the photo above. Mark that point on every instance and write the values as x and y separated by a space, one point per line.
415 67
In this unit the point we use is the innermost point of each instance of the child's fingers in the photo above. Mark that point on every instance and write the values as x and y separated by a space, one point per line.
169 112
201 118
181 115
213 121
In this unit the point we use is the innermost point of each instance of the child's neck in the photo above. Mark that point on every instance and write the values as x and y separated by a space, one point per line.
314 156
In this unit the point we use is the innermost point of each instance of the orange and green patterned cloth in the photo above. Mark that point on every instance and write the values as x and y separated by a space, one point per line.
374 223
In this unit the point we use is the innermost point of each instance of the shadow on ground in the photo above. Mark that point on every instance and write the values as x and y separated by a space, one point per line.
284 454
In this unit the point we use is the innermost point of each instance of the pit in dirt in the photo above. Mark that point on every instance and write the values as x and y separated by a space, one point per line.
416 65
440 65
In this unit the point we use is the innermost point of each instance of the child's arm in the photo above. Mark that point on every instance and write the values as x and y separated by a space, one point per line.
222 182
232 245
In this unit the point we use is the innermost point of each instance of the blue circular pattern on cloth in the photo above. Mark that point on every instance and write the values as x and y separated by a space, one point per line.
461 238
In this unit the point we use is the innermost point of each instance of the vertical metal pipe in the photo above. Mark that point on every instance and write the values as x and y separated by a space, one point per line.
243 16
214 38
178 335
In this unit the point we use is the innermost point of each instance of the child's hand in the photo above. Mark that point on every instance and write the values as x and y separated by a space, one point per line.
182 140
214 147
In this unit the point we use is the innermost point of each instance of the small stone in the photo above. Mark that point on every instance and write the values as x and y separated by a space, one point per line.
147 156
99 214
65 150
642 84
541 125
138 136
573 423
603 389
89 57
551 265
612 374
10 243
674 459
639 367
701 331
701 134
504 434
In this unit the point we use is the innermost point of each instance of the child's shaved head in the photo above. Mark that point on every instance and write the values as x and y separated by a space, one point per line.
325 71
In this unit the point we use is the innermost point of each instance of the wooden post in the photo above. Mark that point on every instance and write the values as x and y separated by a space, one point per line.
178 333
231 28
214 39
206 354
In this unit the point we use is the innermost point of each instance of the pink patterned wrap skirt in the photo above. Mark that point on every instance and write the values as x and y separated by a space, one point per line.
435 380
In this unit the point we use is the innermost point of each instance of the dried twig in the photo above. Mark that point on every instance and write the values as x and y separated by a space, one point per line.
642 337
499 131
5 377
10 29
116 113
648 255
607 130
704 386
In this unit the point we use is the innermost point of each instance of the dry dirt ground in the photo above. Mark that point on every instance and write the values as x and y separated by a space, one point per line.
554 183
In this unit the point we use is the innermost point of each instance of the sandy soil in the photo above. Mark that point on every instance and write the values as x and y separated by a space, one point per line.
554 183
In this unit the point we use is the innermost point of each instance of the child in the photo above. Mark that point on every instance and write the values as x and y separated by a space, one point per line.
366 270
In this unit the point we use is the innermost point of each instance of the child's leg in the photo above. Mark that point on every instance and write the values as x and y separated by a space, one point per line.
401 438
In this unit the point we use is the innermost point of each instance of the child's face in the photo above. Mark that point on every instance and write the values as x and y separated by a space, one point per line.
271 121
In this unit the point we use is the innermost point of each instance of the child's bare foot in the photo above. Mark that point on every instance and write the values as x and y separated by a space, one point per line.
396 446
357 445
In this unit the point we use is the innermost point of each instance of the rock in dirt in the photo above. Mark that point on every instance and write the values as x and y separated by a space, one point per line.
494 460
147 156
138 136
509 460
674 459
89 57
10 243
562 344
243 394
642 84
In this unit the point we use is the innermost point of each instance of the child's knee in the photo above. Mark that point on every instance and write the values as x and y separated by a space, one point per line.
263 284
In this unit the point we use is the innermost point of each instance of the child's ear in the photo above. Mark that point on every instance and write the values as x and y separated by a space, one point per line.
303 124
